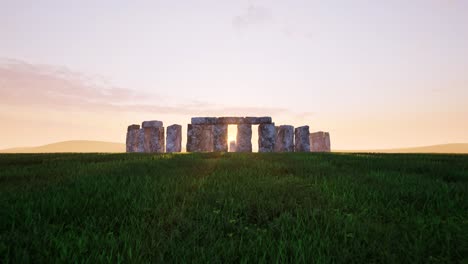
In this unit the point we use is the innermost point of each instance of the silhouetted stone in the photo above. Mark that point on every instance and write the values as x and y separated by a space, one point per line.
152 123
244 138
301 140
284 139
266 137
153 139
131 141
199 138
174 138
230 120
320 142
204 120
220 134
133 127
140 146
257 120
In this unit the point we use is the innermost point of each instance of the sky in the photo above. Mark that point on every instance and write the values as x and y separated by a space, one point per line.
375 73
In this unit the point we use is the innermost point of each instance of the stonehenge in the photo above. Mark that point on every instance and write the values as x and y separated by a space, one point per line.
244 138
302 140
320 142
153 137
220 135
132 141
266 137
174 139
284 139
210 134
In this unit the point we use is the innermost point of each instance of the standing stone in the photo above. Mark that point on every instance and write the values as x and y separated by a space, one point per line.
174 139
140 147
244 138
220 135
232 146
266 137
302 140
153 136
199 138
284 139
154 139
320 142
152 123
131 141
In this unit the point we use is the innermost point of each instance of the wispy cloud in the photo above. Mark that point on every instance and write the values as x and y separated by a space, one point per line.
252 15
52 87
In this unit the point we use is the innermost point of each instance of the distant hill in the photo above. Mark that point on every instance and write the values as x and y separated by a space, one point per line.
71 146
112 147
443 148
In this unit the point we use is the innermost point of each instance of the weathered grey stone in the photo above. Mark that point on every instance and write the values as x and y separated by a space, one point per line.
301 139
152 123
140 146
266 137
230 120
232 146
220 135
199 138
174 138
257 120
284 139
131 141
204 120
133 127
320 142
244 138
154 139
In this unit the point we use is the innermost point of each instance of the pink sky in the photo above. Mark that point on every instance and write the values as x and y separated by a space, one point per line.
373 73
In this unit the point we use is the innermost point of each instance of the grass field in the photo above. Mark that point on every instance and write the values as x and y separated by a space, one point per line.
299 208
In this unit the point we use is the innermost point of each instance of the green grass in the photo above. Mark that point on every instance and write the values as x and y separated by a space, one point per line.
298 208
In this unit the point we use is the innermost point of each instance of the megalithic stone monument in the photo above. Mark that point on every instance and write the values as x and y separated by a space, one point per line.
266 137
131 141
244 138
153 136
301 139
174 138
284 139
220 138
207 134
320 142
199 138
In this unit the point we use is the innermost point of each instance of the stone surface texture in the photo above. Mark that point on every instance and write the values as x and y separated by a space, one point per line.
220 138
266 137
320 142
244 138
152 123
174 138
257 120
230 120
131 141
153 139
133 127
140 146
204 120
284 139
199 138
301 139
